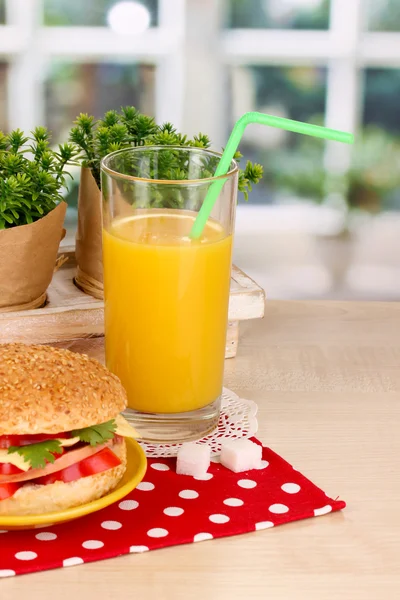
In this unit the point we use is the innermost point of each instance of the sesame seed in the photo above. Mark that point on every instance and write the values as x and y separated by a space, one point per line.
42 390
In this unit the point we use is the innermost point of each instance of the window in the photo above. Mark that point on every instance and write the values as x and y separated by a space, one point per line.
292 92
383 15
379 154
201 64
381 99
94 88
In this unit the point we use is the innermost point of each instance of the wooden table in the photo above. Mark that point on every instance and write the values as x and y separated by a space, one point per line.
326 377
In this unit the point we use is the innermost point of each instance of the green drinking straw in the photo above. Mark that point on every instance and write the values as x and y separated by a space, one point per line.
232 146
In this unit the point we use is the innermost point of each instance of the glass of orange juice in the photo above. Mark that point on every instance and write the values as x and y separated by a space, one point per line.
167 295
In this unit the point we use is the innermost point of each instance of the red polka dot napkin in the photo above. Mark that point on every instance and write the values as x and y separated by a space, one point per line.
168 509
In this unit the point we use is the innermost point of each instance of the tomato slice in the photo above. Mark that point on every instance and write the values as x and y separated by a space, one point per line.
8 489
24 440
102 461
9 469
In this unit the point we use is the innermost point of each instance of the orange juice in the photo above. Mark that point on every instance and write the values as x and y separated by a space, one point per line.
166 309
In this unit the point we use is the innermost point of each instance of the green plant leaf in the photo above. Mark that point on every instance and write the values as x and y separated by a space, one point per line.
97 434
30 186
38 455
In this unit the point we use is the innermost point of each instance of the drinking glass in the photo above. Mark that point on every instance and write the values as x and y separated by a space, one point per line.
167 295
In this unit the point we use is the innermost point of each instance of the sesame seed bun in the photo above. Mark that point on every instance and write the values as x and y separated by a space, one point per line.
47 390
34 499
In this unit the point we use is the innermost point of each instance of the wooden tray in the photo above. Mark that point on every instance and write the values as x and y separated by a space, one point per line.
70 314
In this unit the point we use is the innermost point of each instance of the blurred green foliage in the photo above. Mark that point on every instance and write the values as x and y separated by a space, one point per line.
300 90
381 98
382 15
255 14
372 182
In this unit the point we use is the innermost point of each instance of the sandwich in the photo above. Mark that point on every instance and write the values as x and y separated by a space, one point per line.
62 437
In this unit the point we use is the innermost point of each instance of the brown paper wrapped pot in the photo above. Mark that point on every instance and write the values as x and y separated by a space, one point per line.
28 255
88 242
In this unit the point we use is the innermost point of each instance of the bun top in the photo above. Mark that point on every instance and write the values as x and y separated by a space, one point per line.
47 390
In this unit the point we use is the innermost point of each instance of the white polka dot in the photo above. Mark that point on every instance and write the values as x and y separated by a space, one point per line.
111 525
7 573
92 544
278 509
26 555
263 465
248 484
157 532
160 466
173 511
46 536
205 477
323 511
219 519
233 502
145 486
264 525
3 531
188 494
135 549
71 562
290 488
202 537
128 505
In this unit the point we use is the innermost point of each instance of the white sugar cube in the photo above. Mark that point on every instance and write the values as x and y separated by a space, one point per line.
241 455
193 459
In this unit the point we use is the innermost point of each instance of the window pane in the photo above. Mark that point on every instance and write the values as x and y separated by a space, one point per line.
381 99
287 14
72 88
86 12
378 153
383 15
95 88
292 92
2 12
3 96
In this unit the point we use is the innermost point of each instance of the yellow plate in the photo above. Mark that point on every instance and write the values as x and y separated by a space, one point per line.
135 470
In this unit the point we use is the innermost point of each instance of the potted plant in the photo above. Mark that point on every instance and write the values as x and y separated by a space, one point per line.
32 211
96 139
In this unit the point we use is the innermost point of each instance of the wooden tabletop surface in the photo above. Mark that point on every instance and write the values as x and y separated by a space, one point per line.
326 377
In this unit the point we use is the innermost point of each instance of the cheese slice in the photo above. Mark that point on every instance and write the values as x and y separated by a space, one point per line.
14 459
124 429
66 442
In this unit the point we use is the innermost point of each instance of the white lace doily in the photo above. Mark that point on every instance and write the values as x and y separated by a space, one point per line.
237 420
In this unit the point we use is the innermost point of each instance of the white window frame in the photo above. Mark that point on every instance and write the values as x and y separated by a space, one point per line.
191 53
28 47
